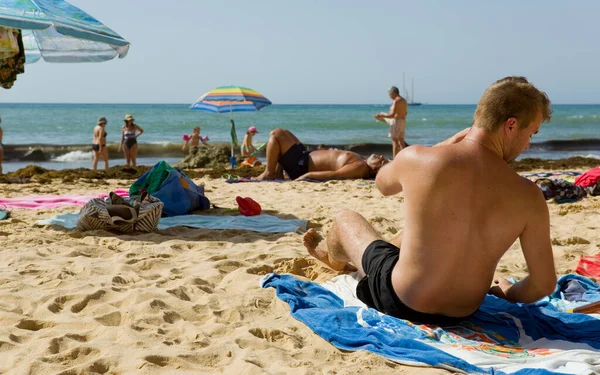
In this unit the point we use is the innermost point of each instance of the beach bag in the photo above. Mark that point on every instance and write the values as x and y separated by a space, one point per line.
179 194
122 215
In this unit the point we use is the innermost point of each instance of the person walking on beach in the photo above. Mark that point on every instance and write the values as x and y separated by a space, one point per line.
193 141
396 119
464 208
129 134
286 153
1 147
99 144
247 147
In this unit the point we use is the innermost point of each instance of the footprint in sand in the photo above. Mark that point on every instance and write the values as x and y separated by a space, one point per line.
158 305
112 319
78 307
171 317
60 344
203 285
262 269
228 266
278 336
59 303
180 293
6 346
72 356
33 325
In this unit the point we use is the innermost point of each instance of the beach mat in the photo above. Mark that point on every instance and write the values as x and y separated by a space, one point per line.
36 202
550 174
500 338
260 223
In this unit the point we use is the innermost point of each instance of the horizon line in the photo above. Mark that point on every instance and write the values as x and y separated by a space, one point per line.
149 103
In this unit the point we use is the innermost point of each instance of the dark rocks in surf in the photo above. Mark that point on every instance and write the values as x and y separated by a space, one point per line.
208 156
34 154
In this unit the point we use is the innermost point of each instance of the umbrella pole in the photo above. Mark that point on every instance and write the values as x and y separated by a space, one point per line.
232 158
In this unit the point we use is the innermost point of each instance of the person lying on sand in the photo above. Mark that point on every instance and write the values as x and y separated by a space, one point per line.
286 153
464 208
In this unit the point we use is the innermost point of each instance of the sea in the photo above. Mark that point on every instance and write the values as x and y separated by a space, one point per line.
573 131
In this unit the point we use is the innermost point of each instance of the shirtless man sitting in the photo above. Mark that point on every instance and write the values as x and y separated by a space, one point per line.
285 152
464 208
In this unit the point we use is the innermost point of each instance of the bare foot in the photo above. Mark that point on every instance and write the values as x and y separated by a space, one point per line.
265 176
316 247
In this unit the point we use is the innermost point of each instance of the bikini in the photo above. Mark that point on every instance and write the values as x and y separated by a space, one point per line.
96 147
130 139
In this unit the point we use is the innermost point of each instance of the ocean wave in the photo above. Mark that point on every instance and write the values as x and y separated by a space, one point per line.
591 156
74 156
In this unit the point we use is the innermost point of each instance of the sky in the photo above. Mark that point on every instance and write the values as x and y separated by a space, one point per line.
329 51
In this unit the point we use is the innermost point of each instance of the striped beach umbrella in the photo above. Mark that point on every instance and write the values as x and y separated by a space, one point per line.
231 99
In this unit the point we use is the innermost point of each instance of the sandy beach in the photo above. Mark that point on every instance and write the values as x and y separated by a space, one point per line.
188 300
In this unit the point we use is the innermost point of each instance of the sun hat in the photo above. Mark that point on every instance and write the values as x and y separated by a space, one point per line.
252 129
102 120
129 117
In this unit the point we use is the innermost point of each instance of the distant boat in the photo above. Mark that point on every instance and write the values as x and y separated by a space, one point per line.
410 99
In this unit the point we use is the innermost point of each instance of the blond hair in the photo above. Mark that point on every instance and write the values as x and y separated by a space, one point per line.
511 97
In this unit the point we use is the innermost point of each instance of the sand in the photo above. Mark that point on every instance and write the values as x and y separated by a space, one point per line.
188 300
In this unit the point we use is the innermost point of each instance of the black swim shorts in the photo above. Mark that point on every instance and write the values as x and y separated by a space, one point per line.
295 161
376 289
95 147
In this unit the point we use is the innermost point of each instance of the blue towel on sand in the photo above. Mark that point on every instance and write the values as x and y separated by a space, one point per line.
260 223
500 338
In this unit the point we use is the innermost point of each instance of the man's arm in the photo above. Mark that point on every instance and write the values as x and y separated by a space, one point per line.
350 171
537 249
387 180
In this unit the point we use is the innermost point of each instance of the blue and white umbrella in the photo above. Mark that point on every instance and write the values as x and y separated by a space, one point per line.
57 31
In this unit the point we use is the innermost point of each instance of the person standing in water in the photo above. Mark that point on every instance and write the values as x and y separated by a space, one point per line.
99 144
396 119
194 140
129 134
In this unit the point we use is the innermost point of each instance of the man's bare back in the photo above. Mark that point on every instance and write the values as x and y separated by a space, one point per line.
465 207
333 160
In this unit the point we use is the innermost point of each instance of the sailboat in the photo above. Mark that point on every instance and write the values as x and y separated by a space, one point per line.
410 99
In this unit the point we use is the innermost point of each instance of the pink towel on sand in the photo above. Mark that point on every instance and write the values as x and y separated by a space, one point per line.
36 202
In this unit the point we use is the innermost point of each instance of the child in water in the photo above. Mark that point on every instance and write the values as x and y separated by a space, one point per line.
194 140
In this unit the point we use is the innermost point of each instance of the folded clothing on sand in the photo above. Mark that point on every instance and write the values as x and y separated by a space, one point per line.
499 338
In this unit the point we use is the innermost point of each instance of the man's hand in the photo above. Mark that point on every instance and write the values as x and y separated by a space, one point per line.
304 177
377 116
500 288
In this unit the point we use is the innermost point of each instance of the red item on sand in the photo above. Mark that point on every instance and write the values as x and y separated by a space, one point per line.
589 178
248 206
589 266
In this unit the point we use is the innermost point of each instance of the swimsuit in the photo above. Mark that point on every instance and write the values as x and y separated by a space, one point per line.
96 147
295 161
376 289
130 139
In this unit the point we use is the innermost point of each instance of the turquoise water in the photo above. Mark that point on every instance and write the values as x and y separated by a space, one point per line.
60 124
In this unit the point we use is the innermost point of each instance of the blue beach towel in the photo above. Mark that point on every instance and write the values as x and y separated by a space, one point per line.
261 223
501 338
